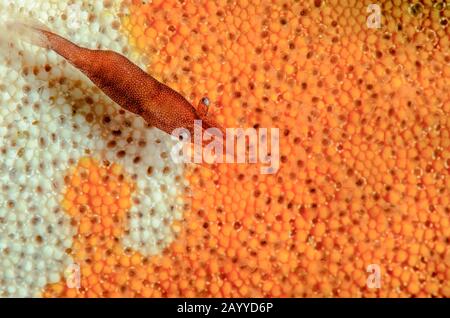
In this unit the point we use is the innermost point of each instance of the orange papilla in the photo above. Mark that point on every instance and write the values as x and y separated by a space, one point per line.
351 190
96 248
363 118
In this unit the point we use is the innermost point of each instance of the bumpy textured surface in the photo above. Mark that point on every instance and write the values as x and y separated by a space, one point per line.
51 116
365 160
364 116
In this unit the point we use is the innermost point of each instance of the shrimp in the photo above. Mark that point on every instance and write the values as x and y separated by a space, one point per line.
124 82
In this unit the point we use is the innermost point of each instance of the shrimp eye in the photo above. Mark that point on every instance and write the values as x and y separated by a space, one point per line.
205 101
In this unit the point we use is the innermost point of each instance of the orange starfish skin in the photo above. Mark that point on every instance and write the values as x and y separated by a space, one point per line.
128 85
